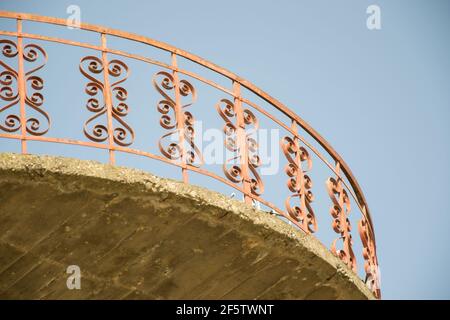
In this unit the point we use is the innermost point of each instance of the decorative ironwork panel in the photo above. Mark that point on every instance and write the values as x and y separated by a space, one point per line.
12 91
178 143
370 257
240 125
122 134
341 224
299 183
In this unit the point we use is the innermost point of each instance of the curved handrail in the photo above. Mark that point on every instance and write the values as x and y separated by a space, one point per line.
164 46
341 164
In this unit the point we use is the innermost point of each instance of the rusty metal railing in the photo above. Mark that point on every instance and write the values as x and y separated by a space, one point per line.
20 88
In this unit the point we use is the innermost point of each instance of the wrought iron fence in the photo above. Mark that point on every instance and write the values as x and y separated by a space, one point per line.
21 92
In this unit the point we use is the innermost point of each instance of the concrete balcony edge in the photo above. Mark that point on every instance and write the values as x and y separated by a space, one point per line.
257 231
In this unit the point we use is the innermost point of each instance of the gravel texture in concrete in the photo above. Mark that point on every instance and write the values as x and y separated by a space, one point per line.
137 236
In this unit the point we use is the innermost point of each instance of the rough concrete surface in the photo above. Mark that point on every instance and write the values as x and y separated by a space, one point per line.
138 236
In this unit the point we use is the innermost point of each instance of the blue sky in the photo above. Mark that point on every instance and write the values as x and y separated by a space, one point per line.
381 98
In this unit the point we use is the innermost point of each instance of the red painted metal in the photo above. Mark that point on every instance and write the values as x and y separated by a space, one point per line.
174 117
299 183
341 223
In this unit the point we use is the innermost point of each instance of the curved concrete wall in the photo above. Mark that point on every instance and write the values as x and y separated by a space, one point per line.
137 236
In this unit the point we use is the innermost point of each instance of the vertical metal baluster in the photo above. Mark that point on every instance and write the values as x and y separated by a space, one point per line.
22 87
108 100
369 254
347 233
341 224
242 142
300 177
299 182
179 115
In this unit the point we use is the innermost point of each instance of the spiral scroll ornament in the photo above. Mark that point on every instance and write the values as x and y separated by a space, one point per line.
178 143
99 91
299 183
240 124
11 93
370 257
341 224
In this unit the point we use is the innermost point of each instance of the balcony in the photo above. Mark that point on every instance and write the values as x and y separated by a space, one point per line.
94 93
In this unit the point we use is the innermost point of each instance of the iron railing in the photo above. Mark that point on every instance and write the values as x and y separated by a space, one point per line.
22 89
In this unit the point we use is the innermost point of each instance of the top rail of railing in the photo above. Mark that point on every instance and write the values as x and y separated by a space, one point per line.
242 144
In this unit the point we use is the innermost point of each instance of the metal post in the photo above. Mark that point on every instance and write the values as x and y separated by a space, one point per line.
300 178
242 142
22 87
179 115
108 100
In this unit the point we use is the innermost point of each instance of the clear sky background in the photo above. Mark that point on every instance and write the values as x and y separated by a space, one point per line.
381 98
